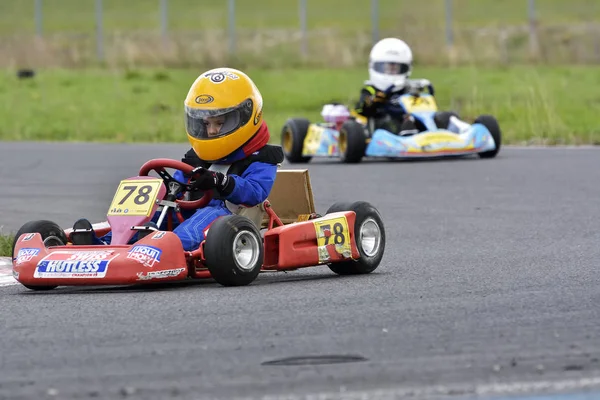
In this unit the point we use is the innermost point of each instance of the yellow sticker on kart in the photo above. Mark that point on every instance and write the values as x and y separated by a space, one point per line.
419 103
332 231
312 140
135 197
429 139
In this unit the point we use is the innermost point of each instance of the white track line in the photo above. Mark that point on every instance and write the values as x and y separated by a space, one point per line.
465 391
542 147
6 278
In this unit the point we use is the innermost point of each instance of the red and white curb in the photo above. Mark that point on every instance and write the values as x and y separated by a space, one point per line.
6 276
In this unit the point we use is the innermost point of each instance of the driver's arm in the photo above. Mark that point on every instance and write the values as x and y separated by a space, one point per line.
368 101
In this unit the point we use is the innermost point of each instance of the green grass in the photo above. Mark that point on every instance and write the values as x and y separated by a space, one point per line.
6 245
552 105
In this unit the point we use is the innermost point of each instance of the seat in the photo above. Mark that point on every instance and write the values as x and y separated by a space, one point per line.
254 214
290 197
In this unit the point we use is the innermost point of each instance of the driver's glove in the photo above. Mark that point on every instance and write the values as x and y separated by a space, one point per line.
203 179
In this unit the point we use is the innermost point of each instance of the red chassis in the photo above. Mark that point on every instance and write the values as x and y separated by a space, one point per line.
43 259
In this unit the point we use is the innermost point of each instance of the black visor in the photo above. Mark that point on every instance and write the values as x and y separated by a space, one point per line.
391 68
210 124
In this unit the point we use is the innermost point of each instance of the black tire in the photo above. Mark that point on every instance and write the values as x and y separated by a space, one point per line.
51 233
442 119
492 124
352 142
293 134
367 263
220 255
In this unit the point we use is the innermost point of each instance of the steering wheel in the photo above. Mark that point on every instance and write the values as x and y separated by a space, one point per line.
159 165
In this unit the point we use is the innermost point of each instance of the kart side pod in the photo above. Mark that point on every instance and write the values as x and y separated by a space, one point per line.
327 239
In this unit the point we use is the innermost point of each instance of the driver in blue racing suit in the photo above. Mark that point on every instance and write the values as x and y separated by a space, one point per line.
230 153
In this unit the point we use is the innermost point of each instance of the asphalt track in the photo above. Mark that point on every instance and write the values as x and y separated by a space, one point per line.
489 287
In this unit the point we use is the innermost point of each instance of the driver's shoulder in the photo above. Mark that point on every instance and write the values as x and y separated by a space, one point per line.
269 154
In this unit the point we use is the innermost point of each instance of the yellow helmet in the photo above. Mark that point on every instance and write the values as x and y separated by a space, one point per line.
223 110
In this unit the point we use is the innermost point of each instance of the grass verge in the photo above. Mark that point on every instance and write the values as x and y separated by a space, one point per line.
6 245
535 105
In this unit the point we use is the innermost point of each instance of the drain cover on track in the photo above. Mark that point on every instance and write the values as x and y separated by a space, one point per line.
316 360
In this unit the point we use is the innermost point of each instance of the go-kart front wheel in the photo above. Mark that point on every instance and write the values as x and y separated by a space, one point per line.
52 235
492 125
293 134
233 250
442 118
369 234
352 142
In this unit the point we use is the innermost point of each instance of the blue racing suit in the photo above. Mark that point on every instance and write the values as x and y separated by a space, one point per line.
254 177
251 188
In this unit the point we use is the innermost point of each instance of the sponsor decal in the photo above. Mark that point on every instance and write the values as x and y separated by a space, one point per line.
204 99
74 264
220 76
145 255
146 276
26 255
158 235
258 115
29 236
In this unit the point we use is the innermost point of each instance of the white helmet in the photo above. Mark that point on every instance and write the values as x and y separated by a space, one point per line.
390 63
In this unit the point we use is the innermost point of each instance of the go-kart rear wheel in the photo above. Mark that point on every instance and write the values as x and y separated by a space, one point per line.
233 250
492 125
369 234
352 142
52 234
293 134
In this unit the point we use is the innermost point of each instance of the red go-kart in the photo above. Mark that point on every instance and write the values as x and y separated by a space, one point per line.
349 238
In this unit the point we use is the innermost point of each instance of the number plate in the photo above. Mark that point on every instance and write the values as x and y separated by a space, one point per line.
135 197
338 227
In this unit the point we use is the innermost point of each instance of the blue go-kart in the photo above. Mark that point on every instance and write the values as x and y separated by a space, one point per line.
351 137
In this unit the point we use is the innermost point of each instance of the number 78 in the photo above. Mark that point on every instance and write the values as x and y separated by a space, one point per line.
142 196
338 233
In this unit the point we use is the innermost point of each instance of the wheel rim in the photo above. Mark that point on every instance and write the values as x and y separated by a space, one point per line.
370 237
245 250
287 141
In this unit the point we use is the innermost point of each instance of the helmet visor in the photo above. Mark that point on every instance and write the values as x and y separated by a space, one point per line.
391 68
210 124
